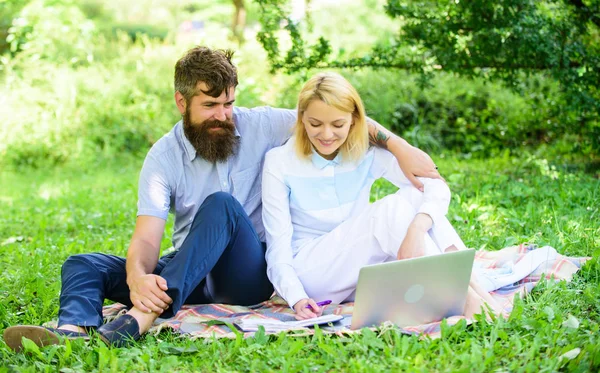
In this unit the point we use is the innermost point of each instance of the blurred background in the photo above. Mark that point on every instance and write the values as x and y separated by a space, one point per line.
86 81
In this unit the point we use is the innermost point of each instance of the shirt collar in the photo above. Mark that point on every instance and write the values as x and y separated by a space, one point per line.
189 149
321 162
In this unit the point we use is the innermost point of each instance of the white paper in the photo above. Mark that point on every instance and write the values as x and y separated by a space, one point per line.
251 325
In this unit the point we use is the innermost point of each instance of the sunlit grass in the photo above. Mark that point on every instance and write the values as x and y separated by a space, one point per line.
496 202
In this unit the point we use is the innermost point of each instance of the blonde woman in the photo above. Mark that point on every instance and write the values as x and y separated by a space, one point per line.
321 228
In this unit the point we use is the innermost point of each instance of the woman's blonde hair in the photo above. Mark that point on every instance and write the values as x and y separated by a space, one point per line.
334 90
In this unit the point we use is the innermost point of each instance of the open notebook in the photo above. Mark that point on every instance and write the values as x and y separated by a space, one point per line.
251 325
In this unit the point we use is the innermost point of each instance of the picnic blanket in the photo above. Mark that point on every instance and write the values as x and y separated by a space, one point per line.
208 320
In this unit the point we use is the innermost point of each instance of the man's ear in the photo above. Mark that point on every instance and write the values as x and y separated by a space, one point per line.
180 102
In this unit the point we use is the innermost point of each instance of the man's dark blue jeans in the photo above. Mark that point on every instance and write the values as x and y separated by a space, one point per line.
222 260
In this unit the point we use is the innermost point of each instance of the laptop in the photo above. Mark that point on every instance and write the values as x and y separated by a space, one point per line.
413 291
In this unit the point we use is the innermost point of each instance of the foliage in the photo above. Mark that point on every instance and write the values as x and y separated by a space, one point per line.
461 114
135 31
102 95
9 8
52 29
96 92
64 112
53 213
510 40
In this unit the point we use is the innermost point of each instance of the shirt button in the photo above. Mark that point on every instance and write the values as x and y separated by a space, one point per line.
225 185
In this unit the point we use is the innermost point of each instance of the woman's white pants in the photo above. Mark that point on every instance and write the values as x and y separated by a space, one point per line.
328 266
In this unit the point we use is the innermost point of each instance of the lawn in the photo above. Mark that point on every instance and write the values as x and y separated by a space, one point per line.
47 215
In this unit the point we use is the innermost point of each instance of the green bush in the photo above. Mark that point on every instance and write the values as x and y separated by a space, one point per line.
59 113
54 30
67 98
119 100
9 9
469 116
134 31
547 52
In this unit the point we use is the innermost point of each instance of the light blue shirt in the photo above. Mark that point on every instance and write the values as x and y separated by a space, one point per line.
173 179
306 198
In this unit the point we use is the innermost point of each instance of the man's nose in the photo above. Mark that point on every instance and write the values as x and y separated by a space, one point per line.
220 113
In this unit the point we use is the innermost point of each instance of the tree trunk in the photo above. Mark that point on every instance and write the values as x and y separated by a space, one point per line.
239 20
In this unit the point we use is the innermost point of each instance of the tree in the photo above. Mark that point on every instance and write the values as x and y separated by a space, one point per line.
508 40
239 20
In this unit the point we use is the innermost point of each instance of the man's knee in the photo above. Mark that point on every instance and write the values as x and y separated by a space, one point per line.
79 263
220 198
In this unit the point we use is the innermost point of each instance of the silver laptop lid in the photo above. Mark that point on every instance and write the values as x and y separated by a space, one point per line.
413 291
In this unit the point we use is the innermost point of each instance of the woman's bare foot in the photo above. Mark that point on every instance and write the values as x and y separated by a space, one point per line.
480 301
475 305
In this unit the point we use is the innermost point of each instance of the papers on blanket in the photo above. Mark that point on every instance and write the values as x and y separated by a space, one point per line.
508 272
271 325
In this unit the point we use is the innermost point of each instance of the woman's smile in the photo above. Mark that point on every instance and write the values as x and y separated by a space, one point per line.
326 142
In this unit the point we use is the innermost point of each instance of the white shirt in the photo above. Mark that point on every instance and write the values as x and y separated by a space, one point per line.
304 199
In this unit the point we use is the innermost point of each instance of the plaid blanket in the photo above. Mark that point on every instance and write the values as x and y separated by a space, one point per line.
210 320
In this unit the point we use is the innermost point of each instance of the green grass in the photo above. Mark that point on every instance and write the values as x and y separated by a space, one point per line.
47 215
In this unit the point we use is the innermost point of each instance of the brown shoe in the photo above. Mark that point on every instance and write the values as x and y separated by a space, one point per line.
41 336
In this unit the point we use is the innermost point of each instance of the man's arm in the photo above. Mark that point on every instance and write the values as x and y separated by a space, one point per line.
147 291
413 161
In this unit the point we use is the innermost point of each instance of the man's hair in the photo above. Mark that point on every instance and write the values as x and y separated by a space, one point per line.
202 64
333 90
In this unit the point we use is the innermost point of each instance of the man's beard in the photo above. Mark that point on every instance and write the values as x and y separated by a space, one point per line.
214 146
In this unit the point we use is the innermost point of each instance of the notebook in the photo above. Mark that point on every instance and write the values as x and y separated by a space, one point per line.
270 325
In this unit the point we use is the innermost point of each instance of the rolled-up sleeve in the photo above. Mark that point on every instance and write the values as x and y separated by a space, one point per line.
435 199
279 229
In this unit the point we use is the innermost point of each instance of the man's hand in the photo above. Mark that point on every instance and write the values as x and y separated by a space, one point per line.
303 312
415 162
147 293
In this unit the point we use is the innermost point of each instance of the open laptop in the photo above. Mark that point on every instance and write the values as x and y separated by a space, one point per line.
413 291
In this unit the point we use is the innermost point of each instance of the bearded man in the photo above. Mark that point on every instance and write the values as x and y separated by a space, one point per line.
207 172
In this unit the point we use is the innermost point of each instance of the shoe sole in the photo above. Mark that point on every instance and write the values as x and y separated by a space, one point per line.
13 336
104 339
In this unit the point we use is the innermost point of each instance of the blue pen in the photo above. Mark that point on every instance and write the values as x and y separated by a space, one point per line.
321 304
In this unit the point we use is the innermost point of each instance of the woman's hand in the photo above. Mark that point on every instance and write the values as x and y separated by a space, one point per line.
303 312
413 244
